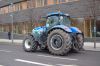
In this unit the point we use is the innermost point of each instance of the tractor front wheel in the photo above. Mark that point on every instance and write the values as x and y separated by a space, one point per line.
29 44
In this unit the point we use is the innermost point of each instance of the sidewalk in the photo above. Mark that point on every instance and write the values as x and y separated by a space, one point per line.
90 46
87 45
10 41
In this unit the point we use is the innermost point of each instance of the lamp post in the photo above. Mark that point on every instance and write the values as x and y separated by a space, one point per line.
94 32
94 16
12 27
11 15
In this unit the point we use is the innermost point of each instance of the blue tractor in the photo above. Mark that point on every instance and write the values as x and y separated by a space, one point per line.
57 36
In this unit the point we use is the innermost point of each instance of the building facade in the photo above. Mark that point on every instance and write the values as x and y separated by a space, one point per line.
27 13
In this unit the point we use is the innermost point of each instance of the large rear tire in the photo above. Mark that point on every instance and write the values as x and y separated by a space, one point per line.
59 42
80 40
79 43
29 44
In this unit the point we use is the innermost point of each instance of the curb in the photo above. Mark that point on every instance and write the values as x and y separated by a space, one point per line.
92 48
9 43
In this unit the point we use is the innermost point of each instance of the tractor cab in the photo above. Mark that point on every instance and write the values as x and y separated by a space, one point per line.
57 18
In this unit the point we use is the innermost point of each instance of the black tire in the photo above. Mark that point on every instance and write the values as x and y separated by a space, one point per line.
80 40
79 43
29 44
59 42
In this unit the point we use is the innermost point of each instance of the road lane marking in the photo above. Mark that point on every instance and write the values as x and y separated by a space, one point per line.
65 65
58 57
31 62
1 65
5 51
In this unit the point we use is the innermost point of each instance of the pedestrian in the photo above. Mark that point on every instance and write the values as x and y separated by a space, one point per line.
9 35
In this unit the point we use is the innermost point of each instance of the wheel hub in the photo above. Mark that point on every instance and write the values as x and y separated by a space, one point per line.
56 42
27 43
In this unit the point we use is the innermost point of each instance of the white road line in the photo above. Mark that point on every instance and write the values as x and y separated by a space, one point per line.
31 62
5 51
65 65
58 57
1 65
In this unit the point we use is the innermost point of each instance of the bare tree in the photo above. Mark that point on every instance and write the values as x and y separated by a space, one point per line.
93 14
30 5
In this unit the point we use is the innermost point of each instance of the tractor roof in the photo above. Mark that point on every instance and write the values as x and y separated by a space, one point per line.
57 13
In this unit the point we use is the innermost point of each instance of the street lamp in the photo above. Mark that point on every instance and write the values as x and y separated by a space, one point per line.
94 17
11 15
12 21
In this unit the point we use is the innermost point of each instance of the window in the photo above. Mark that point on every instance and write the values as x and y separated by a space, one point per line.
24 5
45 2
56 1
51 21
50 2
40 3
14 7
10 8
65 20
62 1
31 3
6 9
17 7
71 0
2 11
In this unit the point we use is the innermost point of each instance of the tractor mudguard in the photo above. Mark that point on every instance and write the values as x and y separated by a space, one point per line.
75 30
63 27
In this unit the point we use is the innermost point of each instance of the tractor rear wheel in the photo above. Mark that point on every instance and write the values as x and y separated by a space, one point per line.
79 43
29 44
80 40
59 42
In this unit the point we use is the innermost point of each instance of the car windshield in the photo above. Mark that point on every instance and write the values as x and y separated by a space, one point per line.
53 20
64 20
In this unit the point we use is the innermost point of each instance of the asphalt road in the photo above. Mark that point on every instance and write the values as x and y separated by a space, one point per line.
13 55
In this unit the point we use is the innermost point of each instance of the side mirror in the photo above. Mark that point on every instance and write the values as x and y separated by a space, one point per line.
68 17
